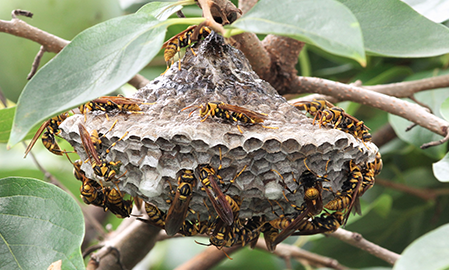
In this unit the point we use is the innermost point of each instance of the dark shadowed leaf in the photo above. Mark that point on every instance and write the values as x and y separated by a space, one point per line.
95 63
427 252
392 28
324 23
39 224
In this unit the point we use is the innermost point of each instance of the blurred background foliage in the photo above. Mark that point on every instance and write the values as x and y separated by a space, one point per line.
392 218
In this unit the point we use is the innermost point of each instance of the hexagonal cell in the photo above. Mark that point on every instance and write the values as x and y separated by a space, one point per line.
252 144
290 146
272 146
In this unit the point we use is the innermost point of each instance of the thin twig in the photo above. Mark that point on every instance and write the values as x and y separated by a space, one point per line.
287 251
407 89
356 239
435 143
36 62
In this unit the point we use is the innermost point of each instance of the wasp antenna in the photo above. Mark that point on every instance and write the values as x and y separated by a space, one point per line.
207 245
226 254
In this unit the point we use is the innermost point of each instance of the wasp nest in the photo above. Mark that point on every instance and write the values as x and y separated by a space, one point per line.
163 140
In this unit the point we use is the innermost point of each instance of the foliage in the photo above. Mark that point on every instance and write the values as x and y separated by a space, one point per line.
104 57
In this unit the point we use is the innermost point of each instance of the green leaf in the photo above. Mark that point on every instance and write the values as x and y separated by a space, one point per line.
324 23
6 120
419 135
95 63
392 28
444 109
161 10
441 169
432 10
427 252
39 224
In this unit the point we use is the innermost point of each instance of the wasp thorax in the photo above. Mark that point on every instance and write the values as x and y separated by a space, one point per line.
246 142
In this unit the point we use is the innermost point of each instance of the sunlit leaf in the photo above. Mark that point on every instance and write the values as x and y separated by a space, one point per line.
324 23
39 224
427 252
392 28
441 169
435 10
161 10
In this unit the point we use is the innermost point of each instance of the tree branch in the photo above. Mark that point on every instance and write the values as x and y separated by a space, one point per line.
207 259
407 110
356 239
132 239
287 252
407 89
50 43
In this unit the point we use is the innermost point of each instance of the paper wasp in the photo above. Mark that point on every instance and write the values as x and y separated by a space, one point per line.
108 104
314 107
312 186
92 144
115 203
156 216
51 128
231 113
177 212
326 223
181 40
269 234
207 177
351 190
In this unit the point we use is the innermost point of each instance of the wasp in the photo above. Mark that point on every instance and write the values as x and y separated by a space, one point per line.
326 223
92 144
351 190
51 128
181 40
207 177
108 104
230 113
156 216
177 212
378 164
115 203
289 225
314 107
269 234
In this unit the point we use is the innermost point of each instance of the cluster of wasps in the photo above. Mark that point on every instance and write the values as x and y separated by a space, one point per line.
96 192
329 115
223 225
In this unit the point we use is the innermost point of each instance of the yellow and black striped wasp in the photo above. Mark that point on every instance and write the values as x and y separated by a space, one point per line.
208 175
326 223
115 203
92 144
156 216
177 212
231 113
51 128
181 40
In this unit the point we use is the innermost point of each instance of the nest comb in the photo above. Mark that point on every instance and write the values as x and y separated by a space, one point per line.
164 140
